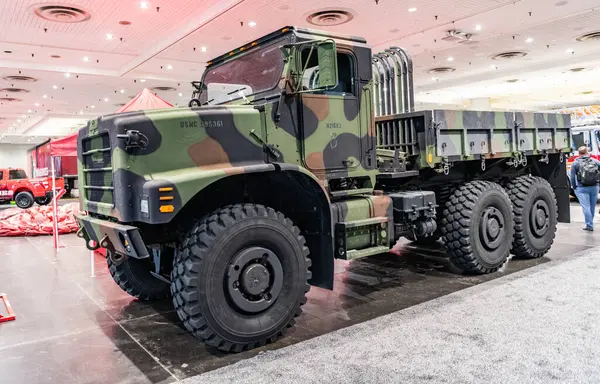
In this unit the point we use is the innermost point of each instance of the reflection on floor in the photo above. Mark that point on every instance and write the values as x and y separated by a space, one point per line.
72 328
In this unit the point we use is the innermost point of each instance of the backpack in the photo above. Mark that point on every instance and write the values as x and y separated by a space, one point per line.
588 172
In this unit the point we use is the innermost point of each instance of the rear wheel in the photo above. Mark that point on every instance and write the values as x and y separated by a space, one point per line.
535 211
241 277
478 227
43 200
134 277
24 200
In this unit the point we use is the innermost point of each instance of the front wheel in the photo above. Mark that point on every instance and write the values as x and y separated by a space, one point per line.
478 227
134 277
241 277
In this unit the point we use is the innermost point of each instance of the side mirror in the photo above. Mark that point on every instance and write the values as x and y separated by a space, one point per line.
328 70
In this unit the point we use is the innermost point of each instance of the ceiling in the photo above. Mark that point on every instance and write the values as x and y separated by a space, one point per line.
83 69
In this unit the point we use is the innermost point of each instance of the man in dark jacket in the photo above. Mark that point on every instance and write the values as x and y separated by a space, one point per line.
583 173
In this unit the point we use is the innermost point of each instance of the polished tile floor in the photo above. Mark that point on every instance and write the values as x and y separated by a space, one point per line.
74 328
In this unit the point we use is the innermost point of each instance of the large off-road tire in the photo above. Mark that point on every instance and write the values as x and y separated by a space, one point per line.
241 277
43 200
478 227
24 200
134 277
536 212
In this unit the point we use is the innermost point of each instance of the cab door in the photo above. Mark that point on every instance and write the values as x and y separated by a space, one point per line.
331 127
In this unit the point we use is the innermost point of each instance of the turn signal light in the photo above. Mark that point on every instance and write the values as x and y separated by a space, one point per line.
166 198
165 189
167 208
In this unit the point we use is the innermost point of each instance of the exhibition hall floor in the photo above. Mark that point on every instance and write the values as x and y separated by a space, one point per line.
74 328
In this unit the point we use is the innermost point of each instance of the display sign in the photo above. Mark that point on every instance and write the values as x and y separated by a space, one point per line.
41 172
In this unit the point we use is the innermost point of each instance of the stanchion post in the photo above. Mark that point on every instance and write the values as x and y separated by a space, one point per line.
54 205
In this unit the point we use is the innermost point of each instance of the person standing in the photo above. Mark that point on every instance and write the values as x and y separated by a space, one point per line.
585 175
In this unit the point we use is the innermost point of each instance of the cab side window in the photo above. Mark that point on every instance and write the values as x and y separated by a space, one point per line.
346 71
1 175
16 174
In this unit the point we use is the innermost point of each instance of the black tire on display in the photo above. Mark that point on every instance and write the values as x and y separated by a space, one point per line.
536 212
43 200
241 277
24 200
478 227
134 277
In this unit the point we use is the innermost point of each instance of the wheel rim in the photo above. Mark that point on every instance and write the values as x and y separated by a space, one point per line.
254 279
23 201
539 218
492 228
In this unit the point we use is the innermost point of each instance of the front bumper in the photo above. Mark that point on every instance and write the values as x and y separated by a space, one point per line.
119 238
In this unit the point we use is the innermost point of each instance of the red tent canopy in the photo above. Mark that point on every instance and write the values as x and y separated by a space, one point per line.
67 146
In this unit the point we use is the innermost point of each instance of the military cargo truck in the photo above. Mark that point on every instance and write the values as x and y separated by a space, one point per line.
297 149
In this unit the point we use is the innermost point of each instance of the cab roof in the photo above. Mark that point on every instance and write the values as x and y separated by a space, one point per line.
281 32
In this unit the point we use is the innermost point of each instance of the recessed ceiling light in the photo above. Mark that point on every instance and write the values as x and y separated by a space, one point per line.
67 75
434 78
180 94
81 112
23 116
18 121
478 27
29 111
122 91
106 99
252 24
203 49
493 66
37 104
108 36
142 80
144 4
529 40
569 50
169 66
413 9
86 58
450 58
92 106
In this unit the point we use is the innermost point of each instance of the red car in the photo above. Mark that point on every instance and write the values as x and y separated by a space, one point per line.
15 186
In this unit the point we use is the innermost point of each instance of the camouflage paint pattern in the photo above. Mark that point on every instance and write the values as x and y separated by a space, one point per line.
323 135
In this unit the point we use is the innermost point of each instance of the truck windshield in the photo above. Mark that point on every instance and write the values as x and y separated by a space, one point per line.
253 73
16 174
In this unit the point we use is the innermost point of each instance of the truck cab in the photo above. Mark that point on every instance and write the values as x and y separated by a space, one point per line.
16 186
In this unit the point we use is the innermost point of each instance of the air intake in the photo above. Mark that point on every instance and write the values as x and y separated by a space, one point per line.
330 17
439 70
508 55
162 88
592 36
61 13
14 90
20 78
9 99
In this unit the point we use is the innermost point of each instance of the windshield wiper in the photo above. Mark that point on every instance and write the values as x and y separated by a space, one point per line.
237 90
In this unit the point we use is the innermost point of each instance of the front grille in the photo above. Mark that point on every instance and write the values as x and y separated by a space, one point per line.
97 169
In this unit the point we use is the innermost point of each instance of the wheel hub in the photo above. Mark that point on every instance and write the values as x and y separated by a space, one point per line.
254 279
492 228
539 218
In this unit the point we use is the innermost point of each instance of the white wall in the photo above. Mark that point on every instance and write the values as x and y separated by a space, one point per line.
14 156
